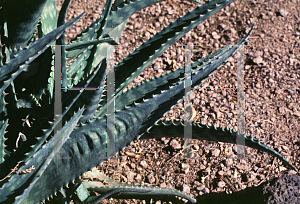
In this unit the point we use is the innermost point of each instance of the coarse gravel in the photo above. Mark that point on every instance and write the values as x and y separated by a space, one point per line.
272 95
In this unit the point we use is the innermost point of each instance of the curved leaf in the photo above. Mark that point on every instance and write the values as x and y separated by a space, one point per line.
34 50
137 61
2 140
22 26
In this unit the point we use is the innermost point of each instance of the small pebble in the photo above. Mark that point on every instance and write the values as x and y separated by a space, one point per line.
200 187
185 188
229 162
221 184
215 35
175 144
144 164
221 173
206 190
184 165
151 178
283 12
258 60
215 152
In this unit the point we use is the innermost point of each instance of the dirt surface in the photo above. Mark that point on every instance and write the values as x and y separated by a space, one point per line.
272 95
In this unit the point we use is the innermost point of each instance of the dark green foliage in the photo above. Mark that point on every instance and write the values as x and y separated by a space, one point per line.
35 163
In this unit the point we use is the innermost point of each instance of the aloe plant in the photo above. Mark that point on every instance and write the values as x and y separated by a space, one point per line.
31 172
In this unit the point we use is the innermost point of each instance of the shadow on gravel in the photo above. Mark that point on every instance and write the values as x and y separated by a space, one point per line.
285 189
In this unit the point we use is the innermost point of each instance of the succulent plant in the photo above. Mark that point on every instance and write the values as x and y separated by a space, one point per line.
31 172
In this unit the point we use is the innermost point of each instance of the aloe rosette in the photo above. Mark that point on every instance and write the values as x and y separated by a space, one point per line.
31 172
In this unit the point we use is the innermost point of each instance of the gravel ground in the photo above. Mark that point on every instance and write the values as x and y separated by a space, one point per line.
272 94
